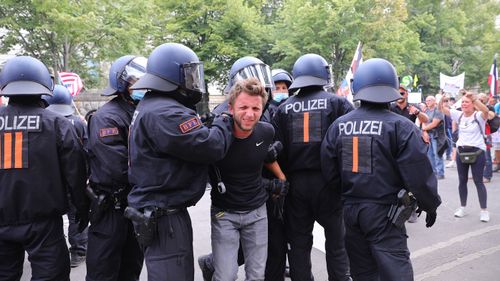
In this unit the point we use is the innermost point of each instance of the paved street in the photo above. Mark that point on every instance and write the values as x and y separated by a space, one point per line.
453 249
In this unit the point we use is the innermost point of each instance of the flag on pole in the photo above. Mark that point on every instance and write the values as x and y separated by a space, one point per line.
493 78
345 87
71 81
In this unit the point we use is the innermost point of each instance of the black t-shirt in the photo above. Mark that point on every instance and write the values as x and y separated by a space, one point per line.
241 170
404 112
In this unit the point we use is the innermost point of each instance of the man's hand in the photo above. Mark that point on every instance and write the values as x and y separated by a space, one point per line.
430 217
278 187
413 110
273 151
207 119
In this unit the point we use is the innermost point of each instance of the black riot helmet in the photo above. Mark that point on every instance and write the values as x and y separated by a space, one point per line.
125 71
247 67
25 75
376 81
61 101
281 75
310 70
173 66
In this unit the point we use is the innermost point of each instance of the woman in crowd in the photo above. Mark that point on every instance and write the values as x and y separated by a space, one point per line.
471 125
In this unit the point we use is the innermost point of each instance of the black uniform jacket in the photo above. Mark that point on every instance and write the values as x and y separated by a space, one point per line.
372 153
170 150
301 123
40 157
108 145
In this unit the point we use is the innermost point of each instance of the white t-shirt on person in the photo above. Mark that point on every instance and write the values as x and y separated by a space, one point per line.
469 134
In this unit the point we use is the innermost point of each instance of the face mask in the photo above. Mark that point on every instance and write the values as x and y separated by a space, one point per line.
278 97
137 95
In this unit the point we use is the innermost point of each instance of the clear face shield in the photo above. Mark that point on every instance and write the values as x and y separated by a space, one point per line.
134 70
194 78
259 71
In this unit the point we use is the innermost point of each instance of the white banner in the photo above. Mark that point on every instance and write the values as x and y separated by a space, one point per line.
451 84
415 97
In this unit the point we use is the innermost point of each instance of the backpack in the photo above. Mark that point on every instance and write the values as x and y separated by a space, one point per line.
494 123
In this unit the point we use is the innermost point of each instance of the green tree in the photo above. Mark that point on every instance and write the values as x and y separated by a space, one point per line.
334 28
74 35
219 31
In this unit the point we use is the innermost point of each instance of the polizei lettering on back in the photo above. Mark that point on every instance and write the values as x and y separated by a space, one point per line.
307 105
361 127
29 123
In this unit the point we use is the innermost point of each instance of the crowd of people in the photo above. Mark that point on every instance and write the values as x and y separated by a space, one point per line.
280 154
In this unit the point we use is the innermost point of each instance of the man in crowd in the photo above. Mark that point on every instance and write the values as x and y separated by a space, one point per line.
238 212
301 123
41 160
113 252
170 151
61 102
434 128
370 166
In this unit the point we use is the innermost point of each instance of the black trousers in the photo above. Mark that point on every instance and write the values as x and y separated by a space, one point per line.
276 246
77 240
113 253
45 244
310 200
170 256
377 249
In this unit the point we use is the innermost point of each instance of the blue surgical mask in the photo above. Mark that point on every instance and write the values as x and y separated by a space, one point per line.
137 95
278 97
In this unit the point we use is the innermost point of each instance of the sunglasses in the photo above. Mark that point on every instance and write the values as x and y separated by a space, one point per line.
402 93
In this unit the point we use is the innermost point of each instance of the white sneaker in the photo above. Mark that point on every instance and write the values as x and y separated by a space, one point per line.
451 164
460 212
485 216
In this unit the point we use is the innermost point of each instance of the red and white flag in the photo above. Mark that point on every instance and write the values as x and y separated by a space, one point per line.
71 81
493 78
345 87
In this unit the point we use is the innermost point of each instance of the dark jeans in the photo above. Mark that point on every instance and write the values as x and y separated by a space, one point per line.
377 249
477 174
310 200
113 253
45 244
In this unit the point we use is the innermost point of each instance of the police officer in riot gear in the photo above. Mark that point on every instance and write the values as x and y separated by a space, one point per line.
282 81
300 123
113 252
170 150
371 155
41 160
61 102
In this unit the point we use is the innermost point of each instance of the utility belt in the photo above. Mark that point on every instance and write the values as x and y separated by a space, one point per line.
401 211
145 222
103 200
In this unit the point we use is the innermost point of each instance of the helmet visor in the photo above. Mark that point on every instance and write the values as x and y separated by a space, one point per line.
259 71
134 70
194 78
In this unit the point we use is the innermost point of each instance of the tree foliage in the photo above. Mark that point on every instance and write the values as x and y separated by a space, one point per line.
423 37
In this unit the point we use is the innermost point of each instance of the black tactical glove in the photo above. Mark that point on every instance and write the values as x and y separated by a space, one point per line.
430 217
278 187
273 151
207 119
